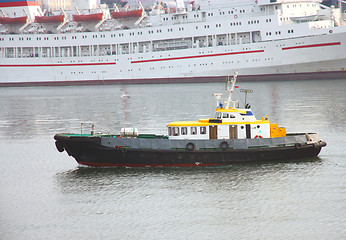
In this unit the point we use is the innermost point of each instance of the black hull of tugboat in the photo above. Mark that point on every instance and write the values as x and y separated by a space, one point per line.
89 151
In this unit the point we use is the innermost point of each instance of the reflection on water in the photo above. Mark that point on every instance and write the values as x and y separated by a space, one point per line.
85 178
183 201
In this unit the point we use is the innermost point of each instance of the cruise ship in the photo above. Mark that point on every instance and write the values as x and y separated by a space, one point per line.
172 42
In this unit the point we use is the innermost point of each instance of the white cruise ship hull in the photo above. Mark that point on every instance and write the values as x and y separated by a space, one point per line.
310 53
260 61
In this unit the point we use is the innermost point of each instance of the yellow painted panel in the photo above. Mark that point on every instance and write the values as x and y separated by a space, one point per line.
276 131
206 123
231 110
187 123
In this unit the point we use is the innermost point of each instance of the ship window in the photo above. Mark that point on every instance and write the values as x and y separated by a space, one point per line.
231 116
203 130
175 131
184 131
169 131
218 115
193 130
225 115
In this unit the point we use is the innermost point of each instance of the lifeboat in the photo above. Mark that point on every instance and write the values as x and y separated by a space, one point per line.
127 14
50 19
16 20
88 17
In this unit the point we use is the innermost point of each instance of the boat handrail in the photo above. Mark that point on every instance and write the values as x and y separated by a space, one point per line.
87 123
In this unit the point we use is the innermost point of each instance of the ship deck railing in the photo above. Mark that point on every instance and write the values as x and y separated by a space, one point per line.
161 142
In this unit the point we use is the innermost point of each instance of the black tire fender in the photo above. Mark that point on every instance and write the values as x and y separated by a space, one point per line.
298 146
190 146
224 145
59 146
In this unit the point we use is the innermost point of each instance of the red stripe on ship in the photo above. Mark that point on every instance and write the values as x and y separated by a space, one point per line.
201 56
146 165
313 45
18 4
57 65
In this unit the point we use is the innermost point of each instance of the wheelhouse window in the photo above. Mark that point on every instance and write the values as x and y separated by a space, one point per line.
193 130
218 115
203 130
184 131
175 131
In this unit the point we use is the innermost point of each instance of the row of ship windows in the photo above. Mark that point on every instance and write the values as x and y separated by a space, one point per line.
138 58
175 18
253 60
229 12
278 32
139 69
209 14
174 131
295 5
166 18
253 22
197 15
170 67
219 25
131 33
73 73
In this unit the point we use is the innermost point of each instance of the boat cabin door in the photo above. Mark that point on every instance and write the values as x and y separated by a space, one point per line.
233 132
248 131
212 132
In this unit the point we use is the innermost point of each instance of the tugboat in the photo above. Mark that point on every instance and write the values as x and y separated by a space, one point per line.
234 135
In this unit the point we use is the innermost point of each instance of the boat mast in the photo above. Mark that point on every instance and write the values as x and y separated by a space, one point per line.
233 81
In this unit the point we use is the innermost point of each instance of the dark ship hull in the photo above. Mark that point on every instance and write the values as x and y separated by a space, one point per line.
156 151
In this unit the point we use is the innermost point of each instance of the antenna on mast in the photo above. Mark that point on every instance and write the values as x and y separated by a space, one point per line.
233 81
246 91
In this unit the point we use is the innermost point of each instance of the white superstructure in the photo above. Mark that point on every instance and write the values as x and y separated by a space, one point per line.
190 42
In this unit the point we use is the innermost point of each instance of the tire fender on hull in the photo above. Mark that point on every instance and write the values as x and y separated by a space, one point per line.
190 146
224 145
59 146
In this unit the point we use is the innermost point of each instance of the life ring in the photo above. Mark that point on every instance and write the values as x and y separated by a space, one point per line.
59 146
224 145
190 146
298 145
235 16
258 136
